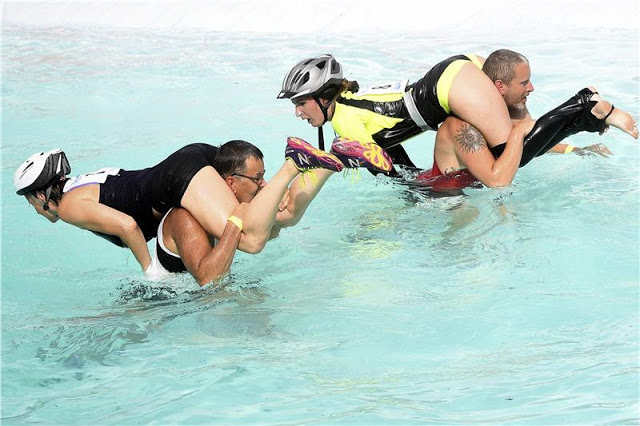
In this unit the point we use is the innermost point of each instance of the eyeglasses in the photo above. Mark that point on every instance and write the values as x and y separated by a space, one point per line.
255 180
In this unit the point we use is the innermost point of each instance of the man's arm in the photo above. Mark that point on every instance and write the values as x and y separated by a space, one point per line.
296 200
473 153
204 260
303 190
597 148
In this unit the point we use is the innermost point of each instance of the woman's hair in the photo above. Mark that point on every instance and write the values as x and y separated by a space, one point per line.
232 155
501 65
55 190
331 93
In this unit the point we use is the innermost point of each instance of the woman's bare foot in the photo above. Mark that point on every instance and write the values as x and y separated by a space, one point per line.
623 121
617 118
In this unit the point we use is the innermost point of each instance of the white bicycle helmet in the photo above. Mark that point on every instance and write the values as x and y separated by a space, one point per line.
39 170
311 76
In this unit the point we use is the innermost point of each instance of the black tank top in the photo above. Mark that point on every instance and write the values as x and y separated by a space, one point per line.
138 192
125 192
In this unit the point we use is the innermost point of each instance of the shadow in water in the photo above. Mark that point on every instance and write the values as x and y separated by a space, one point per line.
138 309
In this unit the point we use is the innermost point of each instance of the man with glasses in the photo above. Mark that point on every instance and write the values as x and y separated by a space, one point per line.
183 245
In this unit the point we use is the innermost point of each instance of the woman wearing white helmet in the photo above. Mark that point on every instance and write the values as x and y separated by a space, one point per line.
44 173
126 206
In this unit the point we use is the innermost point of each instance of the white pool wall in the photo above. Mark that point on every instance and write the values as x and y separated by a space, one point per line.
500 17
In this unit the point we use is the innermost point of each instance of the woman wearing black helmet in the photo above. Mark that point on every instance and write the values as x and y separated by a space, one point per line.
125 207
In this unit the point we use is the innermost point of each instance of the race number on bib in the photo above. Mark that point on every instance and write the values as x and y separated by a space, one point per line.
384 89
99 176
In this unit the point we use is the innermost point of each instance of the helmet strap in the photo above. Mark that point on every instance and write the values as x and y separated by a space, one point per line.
320 138
47 195
45 206
324 110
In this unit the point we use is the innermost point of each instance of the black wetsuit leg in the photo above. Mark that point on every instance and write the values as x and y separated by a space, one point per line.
571 117
399 156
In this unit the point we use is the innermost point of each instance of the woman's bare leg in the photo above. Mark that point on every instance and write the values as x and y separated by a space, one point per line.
476 100
211 202
303 189
618 118
261 213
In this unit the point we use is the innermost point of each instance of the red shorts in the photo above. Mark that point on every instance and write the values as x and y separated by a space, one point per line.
437 180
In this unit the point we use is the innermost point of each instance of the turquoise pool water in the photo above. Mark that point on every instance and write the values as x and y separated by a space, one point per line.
516 306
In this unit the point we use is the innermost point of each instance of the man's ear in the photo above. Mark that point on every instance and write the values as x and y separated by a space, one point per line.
231 183
40 196
502 87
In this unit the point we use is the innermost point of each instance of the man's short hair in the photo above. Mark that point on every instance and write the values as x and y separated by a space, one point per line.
232 155
501 65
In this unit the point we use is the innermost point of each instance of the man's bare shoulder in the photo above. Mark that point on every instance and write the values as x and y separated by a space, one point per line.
181 214
181 219
468 139
451 125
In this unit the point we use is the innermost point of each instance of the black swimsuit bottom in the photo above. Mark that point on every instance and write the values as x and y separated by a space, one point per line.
138 192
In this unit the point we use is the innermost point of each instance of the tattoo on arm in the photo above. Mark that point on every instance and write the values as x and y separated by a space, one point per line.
469 139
